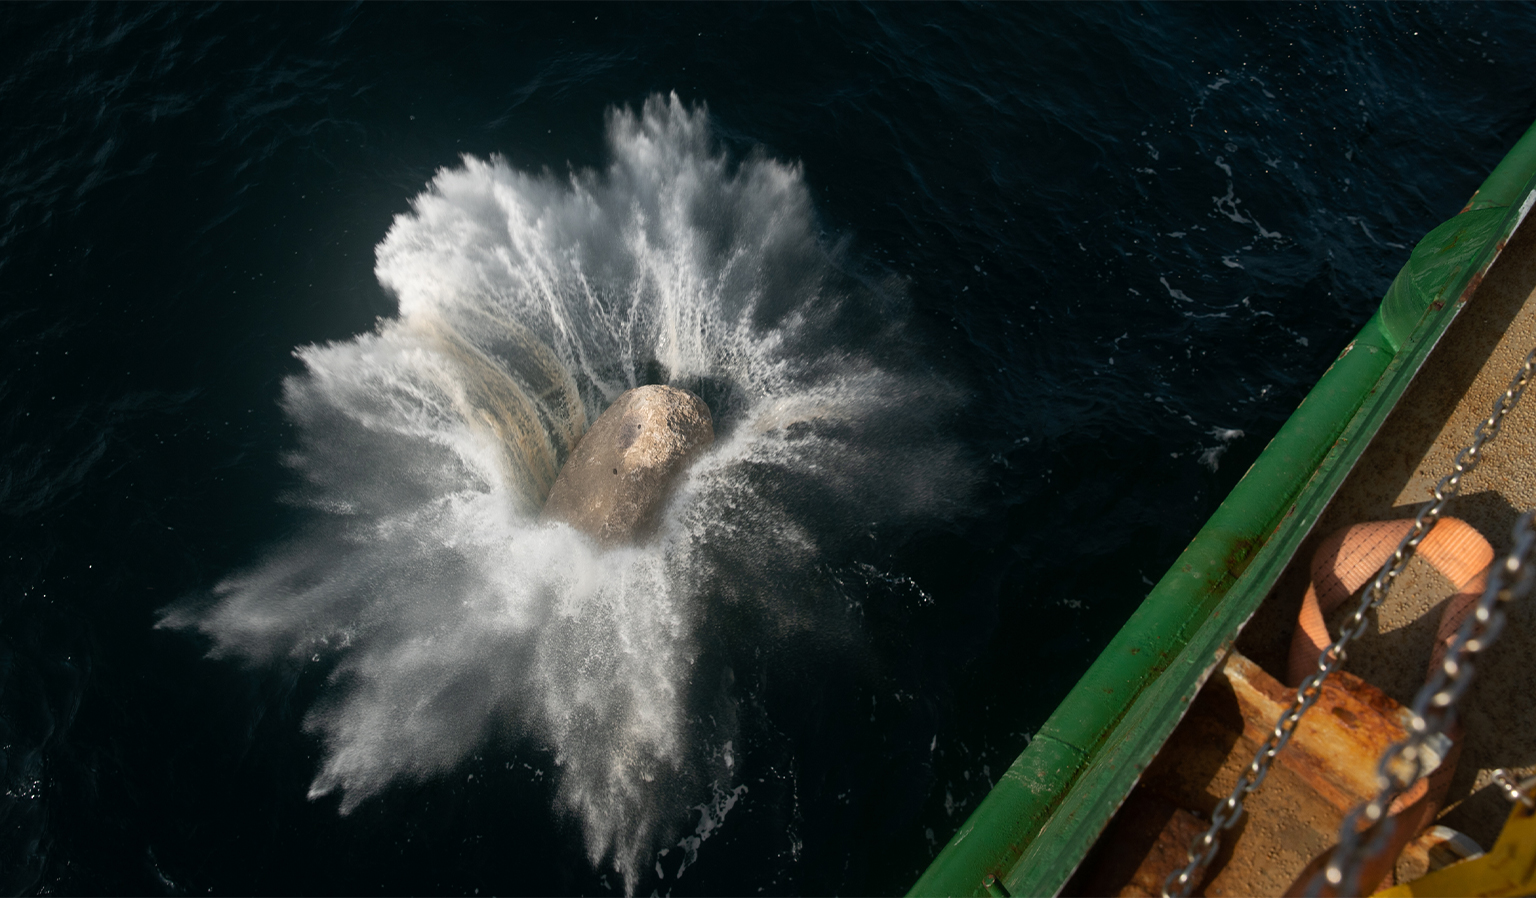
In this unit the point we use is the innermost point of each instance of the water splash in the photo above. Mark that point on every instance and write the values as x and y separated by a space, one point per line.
451 617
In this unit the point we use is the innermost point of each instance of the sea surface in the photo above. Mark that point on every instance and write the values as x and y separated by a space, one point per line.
302 306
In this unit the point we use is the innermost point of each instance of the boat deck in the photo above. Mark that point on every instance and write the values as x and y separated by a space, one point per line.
1436 418
1295 815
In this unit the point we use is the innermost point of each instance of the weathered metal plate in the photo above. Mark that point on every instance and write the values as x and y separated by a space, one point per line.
1327 769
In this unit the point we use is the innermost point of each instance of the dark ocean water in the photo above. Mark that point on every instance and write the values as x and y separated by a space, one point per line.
980 296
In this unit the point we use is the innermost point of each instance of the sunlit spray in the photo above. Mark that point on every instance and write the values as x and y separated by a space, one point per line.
452 618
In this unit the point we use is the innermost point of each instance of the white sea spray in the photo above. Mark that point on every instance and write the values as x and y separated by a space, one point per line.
452 618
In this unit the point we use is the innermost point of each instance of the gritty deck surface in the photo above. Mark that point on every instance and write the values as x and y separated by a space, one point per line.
1436 418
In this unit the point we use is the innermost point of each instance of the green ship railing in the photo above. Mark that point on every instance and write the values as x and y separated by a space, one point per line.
1033 829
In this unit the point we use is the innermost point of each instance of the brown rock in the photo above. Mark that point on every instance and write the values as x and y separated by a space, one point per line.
624 468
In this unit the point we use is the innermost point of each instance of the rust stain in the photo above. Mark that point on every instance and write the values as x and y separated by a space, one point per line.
1119 871
1336 750
1472 285
1328 768
1342 441
1238 556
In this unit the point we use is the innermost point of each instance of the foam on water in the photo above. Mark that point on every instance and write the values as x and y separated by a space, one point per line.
450 617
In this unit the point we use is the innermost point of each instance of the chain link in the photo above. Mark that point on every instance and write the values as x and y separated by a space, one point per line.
1516 791
1204 847
1434 712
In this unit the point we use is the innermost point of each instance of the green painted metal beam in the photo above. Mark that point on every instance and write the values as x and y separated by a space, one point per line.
1034 827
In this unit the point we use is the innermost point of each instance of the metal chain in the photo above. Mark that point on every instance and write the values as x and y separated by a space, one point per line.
1204 847
1434 712
1516 791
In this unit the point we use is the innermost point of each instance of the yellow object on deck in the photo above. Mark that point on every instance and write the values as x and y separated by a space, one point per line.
1509 868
